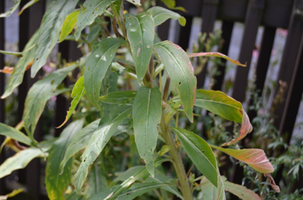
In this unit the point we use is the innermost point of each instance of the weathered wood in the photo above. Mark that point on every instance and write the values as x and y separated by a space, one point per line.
276 12
288 62
209 14
227 28
252 22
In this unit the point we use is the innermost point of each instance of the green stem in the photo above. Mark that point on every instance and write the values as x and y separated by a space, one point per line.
177 161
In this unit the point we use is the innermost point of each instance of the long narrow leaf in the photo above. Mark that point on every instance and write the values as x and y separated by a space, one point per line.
219 103
160 15
98 141
69 24
17 76
49 31
200 153
140 33
120 97
181 72
210 192
147 112
39 94
97 65
255 158
14 134
57 183
77 93
91 9
79 141
241 191
11 10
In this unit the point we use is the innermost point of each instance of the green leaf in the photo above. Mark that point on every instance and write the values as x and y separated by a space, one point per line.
11 194
96 181
142 173
161 14
120 97
162 178
39 94
97 65
200 153
147 111
219 103
240 191
27 5
16 53
77 93
135 2
56 183
79 141
210 192
140 33
129 172
181 72
17 76
14 134
98 140
20 160
255 158
69 24
139 189
49 31
216 54
93 33
91 9
11 10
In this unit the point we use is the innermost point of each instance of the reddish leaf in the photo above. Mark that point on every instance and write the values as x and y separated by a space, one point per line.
216 54
272 183
9 70
255 158
245 129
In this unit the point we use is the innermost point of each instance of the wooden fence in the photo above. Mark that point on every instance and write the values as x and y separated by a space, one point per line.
271 14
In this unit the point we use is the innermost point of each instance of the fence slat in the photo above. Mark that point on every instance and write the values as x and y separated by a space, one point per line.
2 82
289 57
209 14
227 28
253 19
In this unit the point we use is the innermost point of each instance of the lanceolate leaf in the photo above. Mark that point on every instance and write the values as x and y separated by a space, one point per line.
16 53
181 72
121 97
17 76
69 24
160 15
77 93
97 65
135 2
216 54
98 140
19 160
49 31
57 183
210 192
219 103
200 153
140 33
91 9
240 191
147 110
255 158
11 10
79 141
27 5
14 134
39 94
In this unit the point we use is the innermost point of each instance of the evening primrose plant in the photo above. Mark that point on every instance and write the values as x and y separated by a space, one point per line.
129 85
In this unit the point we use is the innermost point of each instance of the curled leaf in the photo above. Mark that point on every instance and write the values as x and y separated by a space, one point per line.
273 183
245 129
255 158
216 54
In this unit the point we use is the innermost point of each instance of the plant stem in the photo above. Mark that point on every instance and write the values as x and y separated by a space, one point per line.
177 161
